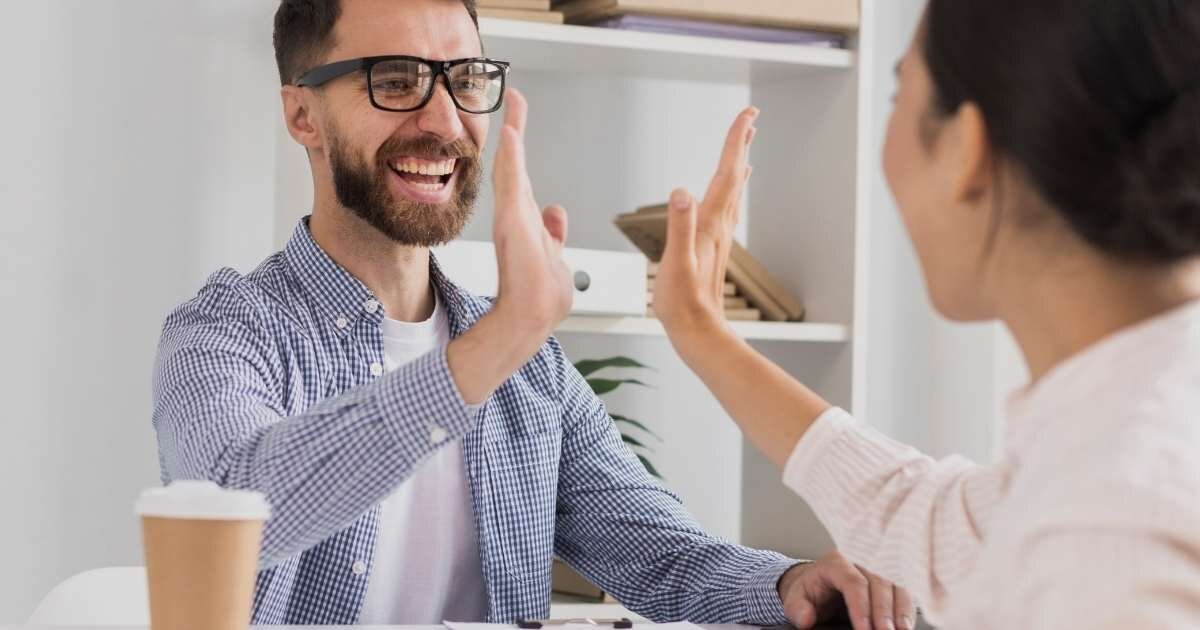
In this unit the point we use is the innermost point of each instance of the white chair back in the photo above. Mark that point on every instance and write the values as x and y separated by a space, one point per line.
113 596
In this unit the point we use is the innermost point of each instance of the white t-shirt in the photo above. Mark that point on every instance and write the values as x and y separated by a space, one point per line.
426 568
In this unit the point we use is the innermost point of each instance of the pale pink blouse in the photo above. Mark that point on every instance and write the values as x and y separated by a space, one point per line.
1091 519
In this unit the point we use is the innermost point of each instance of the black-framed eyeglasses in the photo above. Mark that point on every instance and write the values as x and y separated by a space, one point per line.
399 83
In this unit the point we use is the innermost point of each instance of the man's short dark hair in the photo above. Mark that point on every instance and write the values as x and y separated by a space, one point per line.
303 33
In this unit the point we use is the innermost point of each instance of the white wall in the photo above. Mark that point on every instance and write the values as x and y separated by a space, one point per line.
137 158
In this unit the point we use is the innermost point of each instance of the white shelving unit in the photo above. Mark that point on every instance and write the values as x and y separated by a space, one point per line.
760 331
620 118
557 48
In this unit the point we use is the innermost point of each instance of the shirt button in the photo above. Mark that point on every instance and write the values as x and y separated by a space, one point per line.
342 322
437 435
376 369
359 567
371 306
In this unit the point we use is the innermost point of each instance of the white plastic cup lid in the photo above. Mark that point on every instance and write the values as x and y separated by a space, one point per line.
203 500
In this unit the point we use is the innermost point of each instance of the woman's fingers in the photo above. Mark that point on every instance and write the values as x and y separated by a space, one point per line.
724 189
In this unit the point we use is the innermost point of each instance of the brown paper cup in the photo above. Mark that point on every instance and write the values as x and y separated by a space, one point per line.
201 545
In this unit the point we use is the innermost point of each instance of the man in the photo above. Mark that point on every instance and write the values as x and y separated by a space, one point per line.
427 452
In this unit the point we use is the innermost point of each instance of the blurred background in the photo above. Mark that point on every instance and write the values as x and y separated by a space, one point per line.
143 149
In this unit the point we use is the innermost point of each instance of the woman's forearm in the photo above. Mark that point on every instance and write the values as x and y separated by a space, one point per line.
773 409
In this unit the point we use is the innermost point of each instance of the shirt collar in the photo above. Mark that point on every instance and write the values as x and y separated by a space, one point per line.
343 299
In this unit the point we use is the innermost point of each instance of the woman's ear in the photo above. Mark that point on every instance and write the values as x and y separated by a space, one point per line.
975 171
299 115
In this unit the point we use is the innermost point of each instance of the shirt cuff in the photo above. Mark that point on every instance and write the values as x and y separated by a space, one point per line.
813 444
763 605
423 393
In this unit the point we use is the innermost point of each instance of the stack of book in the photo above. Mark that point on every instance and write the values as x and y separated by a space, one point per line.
528 10
809 22
751 291
737 306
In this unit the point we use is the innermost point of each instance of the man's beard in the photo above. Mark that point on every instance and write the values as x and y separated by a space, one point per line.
367 194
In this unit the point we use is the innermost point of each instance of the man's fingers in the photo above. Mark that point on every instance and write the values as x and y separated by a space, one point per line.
516 110
508 173
881 603
681 227
805 618
509 177
555 220
904 609
856 591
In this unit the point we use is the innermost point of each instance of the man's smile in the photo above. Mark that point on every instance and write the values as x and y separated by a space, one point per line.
423 180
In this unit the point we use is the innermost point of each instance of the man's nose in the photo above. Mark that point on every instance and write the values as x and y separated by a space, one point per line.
439 117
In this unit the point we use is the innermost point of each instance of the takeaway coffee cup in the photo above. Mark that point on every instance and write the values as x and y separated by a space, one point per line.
201 544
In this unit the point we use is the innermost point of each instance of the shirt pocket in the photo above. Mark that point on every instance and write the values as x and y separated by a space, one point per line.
523 487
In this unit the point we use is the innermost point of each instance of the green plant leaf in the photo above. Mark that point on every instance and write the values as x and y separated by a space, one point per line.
635 423
605 385
635 442
649 467
588 367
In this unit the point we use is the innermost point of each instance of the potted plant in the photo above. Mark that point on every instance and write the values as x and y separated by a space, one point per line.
633 431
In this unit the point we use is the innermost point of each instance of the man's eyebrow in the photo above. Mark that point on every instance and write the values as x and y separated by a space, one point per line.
896 70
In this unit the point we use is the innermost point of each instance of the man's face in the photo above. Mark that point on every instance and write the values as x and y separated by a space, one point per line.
414 176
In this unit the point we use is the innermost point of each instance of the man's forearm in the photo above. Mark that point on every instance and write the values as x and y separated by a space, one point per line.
320 469
485 356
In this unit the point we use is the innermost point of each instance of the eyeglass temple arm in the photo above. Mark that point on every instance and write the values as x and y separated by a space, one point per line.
325 74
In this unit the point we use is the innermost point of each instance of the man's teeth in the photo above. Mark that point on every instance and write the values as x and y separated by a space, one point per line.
421 167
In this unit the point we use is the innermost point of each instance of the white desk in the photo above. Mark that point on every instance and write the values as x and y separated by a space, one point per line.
705 627
921 626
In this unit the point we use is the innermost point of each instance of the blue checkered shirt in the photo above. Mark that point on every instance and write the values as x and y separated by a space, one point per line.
265 381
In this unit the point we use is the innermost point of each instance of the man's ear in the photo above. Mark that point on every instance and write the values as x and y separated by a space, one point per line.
973 152
300 117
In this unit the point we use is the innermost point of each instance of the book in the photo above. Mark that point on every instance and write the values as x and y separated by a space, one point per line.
646 228
743 314
528 5
755 293
548 17
731 303
720 30
730 288
731 314
763 278
833 15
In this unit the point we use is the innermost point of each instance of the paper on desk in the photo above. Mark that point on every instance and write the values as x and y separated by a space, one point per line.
455 625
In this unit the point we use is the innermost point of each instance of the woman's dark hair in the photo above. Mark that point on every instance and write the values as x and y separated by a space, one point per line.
1097 102
304 33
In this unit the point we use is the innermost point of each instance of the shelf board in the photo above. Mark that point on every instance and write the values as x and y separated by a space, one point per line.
565 47
772 331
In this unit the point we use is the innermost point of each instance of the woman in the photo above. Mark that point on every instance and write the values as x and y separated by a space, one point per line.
1045 156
